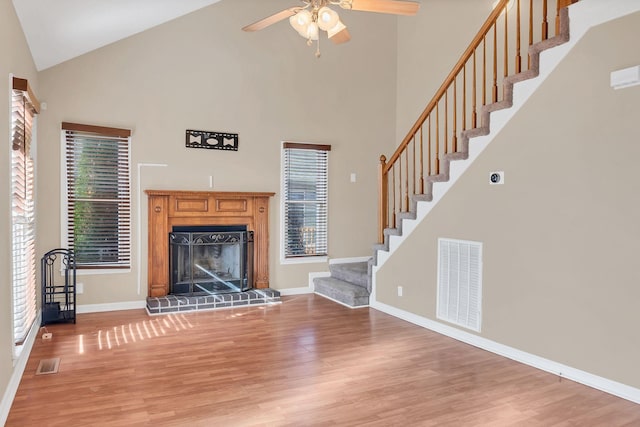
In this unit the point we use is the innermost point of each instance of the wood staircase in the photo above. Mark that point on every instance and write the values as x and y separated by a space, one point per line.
460 110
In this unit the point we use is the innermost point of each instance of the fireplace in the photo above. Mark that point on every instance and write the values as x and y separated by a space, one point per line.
210 260
170 208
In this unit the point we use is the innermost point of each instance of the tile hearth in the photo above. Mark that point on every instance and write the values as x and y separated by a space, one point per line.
178 303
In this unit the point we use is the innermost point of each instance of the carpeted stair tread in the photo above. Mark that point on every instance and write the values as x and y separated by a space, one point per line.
352 272
344 292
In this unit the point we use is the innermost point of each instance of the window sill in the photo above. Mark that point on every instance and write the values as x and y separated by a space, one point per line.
106 270
304 260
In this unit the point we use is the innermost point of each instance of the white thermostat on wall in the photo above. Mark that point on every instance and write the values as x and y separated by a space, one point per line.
496 178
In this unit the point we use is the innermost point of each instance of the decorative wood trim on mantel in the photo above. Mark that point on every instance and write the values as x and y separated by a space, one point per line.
169 208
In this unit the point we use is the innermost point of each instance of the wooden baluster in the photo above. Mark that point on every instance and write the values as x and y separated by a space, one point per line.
437 138
474 114
421 162
383 202
464 98
518 29
400 186
406 188
429 148
454 139
393 186
446 121
557 20
545 22
530 33
415 187
495 63
506 42
484 70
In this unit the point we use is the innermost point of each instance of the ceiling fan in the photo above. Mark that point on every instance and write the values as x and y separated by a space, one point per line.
316 15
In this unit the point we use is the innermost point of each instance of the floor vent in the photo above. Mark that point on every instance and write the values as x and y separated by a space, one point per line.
460 283
48 366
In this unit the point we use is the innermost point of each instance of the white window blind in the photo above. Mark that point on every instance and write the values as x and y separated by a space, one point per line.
24 108
98 208
305 197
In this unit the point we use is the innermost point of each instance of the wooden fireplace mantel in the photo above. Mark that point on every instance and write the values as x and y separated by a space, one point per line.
183 208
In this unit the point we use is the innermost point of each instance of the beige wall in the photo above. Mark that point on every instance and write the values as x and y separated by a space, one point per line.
15 59
562 236
202 72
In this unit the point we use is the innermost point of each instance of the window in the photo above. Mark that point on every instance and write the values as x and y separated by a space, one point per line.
305 185
24 108
98 202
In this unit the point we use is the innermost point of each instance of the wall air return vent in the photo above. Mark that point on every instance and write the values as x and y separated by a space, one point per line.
460 283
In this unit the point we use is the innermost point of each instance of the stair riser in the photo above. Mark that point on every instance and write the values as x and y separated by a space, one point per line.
346 293
341 272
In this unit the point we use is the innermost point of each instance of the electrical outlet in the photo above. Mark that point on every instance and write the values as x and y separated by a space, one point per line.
47 336
353 177
399 291
79 288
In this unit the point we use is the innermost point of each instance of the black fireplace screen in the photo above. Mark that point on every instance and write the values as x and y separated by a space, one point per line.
209 263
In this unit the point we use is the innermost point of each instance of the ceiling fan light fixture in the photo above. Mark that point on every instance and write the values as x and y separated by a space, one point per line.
327 18
336 29
312 31
300 22
316 15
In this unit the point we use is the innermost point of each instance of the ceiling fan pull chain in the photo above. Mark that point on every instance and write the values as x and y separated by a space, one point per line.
318 48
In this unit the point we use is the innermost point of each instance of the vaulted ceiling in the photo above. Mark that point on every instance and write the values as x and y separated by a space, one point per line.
59 30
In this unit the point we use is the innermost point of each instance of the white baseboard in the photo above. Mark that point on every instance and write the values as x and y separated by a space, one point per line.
295 291
18 370
600 383
97 308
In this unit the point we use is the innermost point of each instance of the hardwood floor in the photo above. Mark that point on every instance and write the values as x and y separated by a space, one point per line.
307 361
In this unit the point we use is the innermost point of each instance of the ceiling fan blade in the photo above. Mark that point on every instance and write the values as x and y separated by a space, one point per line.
396 7
270 20
341 37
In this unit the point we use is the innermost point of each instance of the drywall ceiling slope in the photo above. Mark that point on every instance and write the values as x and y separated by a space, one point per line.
57 31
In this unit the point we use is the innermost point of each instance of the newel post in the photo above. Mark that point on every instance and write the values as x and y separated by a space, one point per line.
383 198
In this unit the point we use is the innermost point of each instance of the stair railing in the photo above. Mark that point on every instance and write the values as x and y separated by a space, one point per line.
495 53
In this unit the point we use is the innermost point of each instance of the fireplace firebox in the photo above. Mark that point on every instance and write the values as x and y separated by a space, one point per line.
210 260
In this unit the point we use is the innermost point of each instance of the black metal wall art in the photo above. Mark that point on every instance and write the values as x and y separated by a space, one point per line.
211 140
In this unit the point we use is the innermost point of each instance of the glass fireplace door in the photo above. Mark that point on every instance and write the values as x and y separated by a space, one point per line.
210 263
